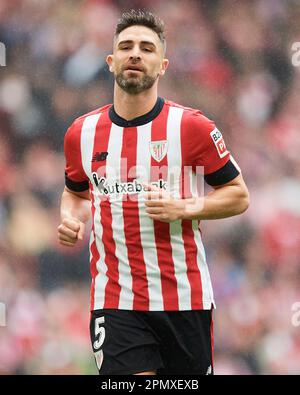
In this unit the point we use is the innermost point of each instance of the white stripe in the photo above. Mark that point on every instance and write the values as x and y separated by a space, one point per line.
87 142
91 242
174 170
207 291
87 147
143 164
235 164
113 173
92 239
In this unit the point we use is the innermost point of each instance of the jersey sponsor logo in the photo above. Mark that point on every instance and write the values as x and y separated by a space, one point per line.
219 142
123 188
158 149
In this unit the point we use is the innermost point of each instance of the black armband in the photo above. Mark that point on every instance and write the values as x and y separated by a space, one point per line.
75 185
223 175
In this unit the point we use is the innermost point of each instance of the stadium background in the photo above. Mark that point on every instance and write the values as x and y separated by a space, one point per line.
231 59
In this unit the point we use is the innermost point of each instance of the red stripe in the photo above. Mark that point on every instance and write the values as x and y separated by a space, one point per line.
132 225
95 256
188 236
112 289
72 145
162 229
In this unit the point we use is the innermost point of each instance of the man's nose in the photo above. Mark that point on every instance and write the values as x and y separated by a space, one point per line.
135 58
135 54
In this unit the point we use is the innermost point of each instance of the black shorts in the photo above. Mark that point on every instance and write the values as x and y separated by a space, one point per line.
169 342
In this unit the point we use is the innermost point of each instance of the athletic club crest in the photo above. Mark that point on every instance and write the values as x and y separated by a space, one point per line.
158 149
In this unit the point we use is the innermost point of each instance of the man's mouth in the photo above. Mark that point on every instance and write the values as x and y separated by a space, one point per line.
133 68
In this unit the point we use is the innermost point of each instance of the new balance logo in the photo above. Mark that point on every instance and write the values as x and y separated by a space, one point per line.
99 156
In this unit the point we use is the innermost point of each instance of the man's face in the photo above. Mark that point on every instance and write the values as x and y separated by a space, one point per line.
137 60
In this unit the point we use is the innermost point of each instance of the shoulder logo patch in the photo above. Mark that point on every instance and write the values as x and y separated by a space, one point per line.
219 142
158 149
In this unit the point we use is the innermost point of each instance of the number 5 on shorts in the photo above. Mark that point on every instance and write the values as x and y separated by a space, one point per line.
99 333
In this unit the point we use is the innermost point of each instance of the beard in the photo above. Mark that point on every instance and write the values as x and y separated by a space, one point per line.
135 85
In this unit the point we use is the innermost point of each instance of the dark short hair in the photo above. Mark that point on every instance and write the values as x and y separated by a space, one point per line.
142 18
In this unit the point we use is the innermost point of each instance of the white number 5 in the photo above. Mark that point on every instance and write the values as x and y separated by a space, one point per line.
99 330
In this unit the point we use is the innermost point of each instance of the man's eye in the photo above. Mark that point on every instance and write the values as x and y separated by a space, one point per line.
147 49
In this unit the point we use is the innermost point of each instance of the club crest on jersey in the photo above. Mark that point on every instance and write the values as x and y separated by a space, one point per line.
158 149
217 138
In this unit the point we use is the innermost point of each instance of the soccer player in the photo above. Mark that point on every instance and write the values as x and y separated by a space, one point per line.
131 166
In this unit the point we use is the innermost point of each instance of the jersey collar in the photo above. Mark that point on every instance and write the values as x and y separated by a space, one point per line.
142 120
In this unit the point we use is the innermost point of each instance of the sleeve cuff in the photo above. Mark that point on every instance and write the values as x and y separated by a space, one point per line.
223 175
75 185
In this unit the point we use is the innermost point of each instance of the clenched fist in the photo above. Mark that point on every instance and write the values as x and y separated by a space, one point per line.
69 231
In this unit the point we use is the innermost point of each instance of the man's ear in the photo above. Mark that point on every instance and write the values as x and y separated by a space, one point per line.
110 62
165 64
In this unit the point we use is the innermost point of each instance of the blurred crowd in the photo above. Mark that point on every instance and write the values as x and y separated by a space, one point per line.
231 59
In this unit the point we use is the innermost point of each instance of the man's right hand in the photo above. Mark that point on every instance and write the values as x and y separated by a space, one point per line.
69 231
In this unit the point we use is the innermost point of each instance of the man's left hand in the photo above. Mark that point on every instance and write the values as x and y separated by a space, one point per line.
161 206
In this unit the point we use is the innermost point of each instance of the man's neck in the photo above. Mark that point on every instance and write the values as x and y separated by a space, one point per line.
133 106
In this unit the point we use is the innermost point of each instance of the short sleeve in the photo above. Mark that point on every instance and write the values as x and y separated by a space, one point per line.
75 177
208 149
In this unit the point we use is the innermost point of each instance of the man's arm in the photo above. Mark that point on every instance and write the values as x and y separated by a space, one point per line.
75 211
224 201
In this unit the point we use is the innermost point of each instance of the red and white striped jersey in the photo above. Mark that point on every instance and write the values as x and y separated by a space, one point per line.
137 263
